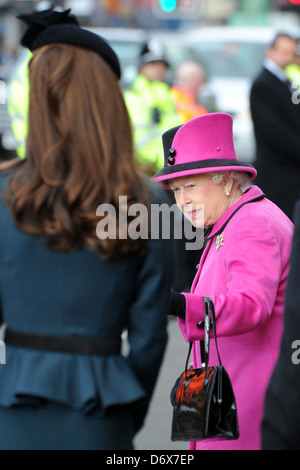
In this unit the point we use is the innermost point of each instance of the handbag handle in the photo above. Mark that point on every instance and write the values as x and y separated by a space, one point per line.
209 321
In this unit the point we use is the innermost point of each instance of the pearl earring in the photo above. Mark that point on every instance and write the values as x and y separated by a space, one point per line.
227 193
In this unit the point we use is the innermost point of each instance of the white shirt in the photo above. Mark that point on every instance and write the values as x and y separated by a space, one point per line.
275 70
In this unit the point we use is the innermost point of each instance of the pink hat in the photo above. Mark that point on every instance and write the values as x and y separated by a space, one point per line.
201 145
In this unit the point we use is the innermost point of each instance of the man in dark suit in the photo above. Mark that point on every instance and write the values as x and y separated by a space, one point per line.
281 423
276 119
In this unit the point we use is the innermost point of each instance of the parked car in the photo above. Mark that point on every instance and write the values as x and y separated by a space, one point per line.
127 43
232 57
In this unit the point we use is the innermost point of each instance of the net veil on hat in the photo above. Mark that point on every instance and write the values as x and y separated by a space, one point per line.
201 145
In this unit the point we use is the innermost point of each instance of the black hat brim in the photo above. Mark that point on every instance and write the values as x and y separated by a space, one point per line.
72 34
203 166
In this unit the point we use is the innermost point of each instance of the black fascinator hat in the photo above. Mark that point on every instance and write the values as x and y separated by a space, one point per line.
48 27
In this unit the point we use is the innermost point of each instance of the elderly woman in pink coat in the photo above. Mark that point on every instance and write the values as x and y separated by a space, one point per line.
243 268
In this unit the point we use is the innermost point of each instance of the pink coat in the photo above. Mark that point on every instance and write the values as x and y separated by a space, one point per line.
246 278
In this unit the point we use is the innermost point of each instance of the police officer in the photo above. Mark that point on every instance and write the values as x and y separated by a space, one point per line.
151 107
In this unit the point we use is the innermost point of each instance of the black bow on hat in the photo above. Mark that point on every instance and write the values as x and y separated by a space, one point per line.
48 27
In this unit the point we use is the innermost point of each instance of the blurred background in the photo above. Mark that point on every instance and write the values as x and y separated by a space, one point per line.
227 37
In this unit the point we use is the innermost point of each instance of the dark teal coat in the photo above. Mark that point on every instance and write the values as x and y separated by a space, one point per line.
78 294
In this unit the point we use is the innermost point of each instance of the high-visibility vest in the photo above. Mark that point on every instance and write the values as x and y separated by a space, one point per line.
18 104
187 107
293 73
152 112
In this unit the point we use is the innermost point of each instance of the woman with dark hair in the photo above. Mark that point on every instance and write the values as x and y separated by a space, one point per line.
72 280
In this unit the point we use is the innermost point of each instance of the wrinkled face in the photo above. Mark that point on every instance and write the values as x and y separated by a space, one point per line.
201 200
283 52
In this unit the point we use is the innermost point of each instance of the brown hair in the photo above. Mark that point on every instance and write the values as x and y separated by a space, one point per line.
79 153
280 35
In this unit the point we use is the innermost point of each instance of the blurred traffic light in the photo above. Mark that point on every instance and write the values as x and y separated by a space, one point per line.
288 5
168 5
112 6
177 9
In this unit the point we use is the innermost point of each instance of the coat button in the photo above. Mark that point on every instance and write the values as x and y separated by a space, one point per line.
171 158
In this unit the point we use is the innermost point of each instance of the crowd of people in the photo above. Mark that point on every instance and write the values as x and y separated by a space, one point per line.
73 280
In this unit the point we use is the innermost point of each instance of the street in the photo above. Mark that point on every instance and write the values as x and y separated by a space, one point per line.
156 432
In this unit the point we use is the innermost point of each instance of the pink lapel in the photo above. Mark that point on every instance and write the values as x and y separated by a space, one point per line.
250 193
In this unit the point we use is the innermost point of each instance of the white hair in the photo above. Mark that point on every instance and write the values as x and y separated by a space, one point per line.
239 178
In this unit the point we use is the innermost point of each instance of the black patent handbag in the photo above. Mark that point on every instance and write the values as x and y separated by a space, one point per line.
203 400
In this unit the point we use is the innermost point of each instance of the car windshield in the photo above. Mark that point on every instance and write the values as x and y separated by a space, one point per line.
127 51
230 58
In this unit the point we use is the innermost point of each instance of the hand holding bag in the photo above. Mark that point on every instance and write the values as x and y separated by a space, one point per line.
203 400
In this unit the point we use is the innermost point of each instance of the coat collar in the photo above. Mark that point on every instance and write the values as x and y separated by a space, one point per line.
251 194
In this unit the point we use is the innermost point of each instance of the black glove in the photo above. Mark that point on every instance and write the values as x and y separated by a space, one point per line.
176 305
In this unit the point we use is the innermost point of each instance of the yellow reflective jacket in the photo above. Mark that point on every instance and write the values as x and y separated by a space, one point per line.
18 103
152 112
293 73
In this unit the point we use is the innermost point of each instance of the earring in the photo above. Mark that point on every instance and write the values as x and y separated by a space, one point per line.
227 193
